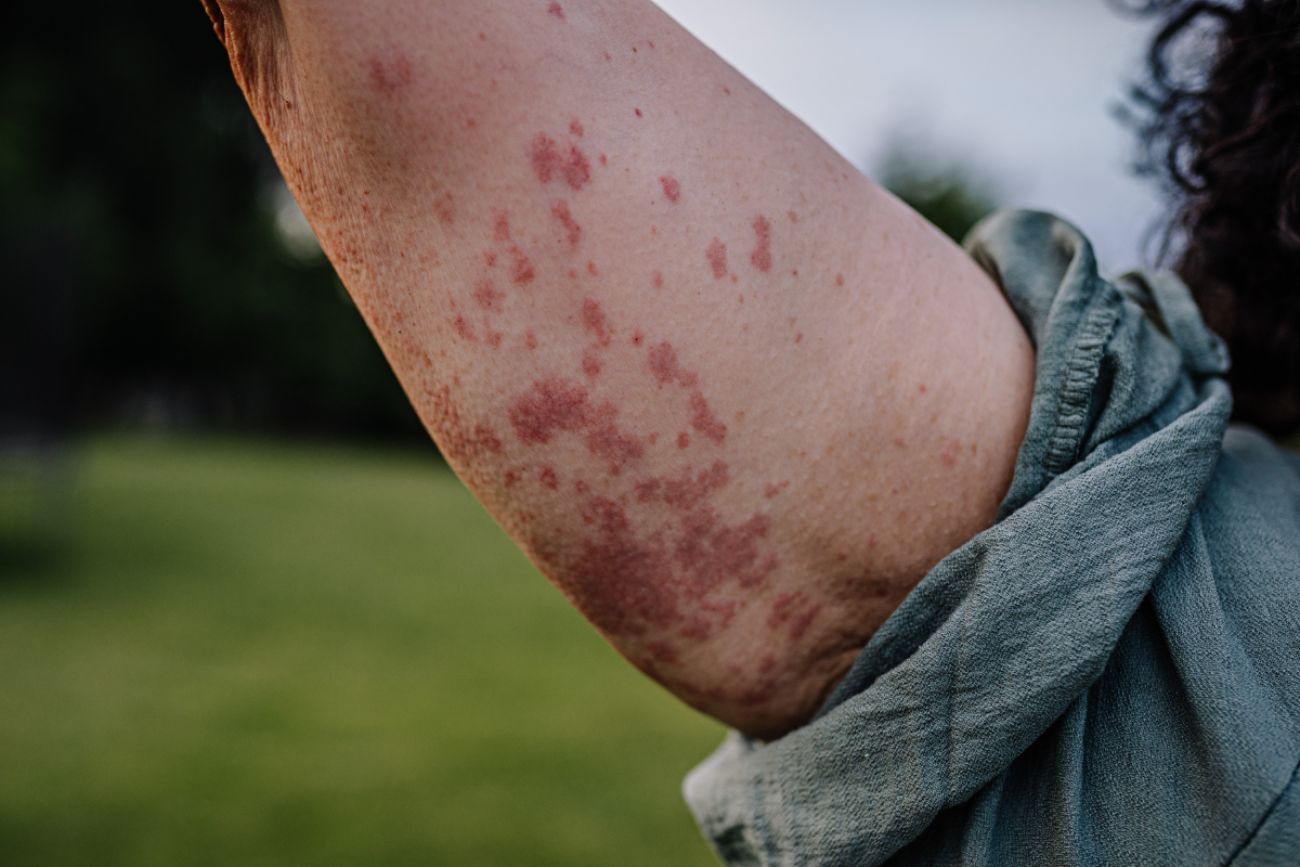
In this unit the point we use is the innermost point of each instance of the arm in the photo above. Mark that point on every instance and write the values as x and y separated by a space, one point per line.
731 397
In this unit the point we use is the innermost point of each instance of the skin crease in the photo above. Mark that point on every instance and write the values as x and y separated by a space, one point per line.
735 415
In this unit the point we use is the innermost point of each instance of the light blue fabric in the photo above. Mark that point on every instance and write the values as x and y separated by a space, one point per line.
1109 675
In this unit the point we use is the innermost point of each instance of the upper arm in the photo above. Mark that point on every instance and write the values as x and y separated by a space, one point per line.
687 355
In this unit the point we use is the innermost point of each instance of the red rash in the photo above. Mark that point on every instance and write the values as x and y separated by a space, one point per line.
557 10
488 296
388 79
672 189
556 405
761 258
839 279
486 438
521 267
594 321
550 163
464 329
683 440
445 207
575 127
591 365
717 256
785 612
663 364
657 278
572 230
549 478
703 419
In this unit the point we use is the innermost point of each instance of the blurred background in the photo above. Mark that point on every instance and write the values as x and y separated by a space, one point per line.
246 614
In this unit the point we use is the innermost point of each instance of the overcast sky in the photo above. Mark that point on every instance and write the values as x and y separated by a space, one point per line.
1019 89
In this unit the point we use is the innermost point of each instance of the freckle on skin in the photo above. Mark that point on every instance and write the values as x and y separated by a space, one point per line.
672 188
717 256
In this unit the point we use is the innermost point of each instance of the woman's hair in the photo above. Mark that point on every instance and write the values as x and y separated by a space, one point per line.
1219 117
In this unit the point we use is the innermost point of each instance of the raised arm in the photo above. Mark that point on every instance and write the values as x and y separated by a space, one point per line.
731 397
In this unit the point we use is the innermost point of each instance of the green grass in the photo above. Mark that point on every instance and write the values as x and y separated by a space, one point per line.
265 654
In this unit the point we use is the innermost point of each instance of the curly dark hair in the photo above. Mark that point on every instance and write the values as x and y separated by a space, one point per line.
1219 119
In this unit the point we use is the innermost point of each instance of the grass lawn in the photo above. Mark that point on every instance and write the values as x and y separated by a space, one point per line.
267 654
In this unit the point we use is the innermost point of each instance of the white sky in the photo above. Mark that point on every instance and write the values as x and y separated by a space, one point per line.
1020 90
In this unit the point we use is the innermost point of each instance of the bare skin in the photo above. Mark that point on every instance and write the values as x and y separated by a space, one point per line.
731 397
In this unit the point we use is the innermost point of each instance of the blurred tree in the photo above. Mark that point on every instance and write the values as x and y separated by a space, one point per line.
138 207
952 196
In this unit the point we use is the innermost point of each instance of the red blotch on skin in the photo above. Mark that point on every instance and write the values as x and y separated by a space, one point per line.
839 279
576 128
488 296
556 405
486 439
490 259
672 188
551 163
511 478
683 440
560 210
798 338
703 419
638 112
549 478
604 160
389 78
921 388
686 491
594 321
761 258
552 405
716 253
637 338
494 338
463 329
557 10
657 278
530 339
786 611
591 365
949 452
663 363
606 440
771 491
726 90
591 268
521 267
444 206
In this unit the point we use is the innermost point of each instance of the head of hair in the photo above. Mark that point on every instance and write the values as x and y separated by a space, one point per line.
1218 114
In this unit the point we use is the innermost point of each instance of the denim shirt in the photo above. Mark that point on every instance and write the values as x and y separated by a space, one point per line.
1110 674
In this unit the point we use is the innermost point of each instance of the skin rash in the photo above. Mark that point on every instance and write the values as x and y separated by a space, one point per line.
678 379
